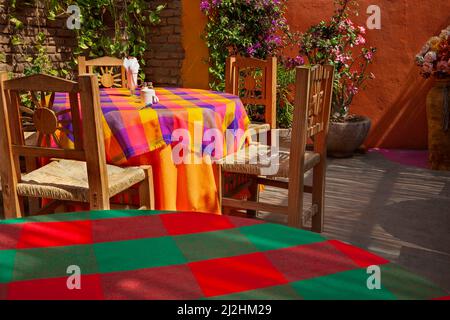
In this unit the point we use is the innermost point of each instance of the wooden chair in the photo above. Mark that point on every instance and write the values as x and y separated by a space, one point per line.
110 71
255 82
79 174
314 88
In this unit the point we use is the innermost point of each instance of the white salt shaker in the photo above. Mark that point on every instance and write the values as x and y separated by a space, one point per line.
148 95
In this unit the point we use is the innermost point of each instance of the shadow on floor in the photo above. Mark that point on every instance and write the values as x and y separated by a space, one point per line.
401 213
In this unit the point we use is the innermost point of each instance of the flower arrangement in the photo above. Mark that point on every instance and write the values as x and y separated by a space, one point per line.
434 58
343 44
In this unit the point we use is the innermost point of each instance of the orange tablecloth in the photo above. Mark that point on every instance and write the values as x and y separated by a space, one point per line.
143 136
186 187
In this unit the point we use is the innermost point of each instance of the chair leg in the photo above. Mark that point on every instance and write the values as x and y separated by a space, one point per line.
147 190
12 205
318 196
221 187
295 202
221 190
254 196
34 205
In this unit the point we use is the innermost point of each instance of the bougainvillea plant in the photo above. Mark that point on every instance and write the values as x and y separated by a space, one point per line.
255 28
341 43
434 58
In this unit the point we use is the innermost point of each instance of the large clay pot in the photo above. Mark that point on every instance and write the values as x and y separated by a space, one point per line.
438 132
345 137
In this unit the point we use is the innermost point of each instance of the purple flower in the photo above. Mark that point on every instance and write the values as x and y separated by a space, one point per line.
251 50
204 5
291 63
299 60
274 39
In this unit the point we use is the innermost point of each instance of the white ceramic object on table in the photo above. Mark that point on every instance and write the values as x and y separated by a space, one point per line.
148 95
132 67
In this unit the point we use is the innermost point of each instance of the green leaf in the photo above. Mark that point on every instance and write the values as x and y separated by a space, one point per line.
17 23
15 40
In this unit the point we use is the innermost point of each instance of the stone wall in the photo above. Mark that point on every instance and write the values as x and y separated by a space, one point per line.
60 40
164 56
164 59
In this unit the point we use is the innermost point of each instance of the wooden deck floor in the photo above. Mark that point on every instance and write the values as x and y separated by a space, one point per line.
401 213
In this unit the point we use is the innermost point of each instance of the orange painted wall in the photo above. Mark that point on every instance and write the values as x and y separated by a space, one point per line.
395 100
194 69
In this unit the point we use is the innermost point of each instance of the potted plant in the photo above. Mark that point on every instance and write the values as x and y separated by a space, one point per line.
342 43
434 62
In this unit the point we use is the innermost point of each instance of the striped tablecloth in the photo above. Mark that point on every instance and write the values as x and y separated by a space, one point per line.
135 136
132 131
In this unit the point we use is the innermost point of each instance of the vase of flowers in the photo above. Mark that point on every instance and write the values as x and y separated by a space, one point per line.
342 43
434 63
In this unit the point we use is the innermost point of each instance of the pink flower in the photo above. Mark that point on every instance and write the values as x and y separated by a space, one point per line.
348 22
362 30
336 51
352 89
360 40
368 56
442 66
427 67
430 57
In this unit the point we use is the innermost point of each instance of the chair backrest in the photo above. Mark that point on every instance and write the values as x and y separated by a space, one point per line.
110 71
255 82
312 108
55 126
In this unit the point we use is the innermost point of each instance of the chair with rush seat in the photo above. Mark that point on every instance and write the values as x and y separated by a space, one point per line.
78 174
314 88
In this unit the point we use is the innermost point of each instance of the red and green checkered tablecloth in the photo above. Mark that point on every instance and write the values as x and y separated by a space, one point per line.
180 255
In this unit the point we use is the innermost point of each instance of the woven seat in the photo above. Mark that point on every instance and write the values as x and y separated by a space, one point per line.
257 160
68 180
257 128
